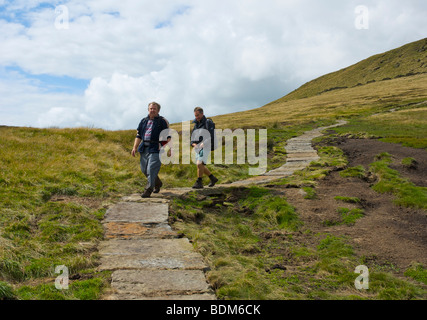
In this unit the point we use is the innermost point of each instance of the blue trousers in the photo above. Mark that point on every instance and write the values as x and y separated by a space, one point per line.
150 166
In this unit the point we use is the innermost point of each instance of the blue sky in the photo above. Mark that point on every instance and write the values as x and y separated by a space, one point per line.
110 58
48 82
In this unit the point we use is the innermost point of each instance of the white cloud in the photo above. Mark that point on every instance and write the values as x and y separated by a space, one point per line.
223 55
24 103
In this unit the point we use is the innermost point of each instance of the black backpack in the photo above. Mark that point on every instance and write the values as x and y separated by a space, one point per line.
210 126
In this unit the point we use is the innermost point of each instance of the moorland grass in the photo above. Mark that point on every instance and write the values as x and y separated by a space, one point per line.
56 183
406 127
250 240
390 181
55 187
348 199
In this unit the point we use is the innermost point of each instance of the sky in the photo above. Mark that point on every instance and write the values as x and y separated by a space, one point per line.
98 63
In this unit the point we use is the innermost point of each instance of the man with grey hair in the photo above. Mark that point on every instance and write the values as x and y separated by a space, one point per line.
148 145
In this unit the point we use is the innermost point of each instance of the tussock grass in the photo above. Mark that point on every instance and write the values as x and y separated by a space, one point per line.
348 199
6 291
389 181
409 162
253 254
358 172
350 216
55 185
418 272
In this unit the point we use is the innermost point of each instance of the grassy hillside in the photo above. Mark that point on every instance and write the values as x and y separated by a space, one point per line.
407 60
355 104
55 184
392 81
397 78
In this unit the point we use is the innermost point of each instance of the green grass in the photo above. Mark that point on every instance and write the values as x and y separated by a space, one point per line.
346 216
418 272
409 162
350 216
406 126
390 181
89 289
348 199
6 291
310 193
255 245
358 172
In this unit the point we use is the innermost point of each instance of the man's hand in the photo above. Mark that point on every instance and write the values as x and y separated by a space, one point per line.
197 146
135 146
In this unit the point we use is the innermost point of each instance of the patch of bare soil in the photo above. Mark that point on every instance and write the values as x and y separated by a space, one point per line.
387 234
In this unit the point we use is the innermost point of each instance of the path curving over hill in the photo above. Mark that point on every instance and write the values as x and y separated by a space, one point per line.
300 154
150 261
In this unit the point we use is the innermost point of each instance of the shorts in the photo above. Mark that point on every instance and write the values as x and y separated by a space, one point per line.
202 156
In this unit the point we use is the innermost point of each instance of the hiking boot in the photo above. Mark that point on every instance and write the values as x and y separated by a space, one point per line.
198 184
147 193
158 185
213 181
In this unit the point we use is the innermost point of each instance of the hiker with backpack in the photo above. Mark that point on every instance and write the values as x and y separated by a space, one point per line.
148 145
202 148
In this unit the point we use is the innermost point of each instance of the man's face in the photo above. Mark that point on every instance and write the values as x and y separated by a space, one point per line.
153 111
198 115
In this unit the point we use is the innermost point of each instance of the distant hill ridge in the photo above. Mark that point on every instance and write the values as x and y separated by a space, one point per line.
408 60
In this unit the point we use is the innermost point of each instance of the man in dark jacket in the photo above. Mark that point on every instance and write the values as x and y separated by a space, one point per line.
202 153
148 145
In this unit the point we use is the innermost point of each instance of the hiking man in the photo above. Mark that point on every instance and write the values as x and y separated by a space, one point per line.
202 153
148 145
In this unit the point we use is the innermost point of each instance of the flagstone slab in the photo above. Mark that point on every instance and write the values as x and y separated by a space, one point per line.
311 158
138 212
150 254
137 230
157 283
302 155
279 173
162 197
299 150
191 297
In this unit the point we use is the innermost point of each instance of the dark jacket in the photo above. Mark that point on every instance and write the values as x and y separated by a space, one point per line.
159 125
203 124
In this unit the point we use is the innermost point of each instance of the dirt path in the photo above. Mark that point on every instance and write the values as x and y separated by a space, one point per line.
387 235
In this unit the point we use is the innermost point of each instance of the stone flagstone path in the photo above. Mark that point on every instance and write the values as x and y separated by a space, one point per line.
149 261
299 155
